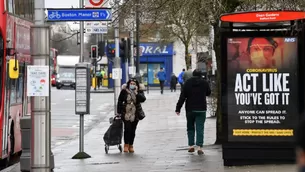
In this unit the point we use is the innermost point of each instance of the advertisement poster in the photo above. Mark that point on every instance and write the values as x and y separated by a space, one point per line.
262 89
38 80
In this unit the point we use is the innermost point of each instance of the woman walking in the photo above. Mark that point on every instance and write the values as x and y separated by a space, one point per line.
129 106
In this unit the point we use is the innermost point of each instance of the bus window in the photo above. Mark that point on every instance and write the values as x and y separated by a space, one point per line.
19 85
12 90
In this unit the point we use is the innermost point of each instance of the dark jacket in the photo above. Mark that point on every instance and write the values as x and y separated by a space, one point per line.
194 92
121 107
174 80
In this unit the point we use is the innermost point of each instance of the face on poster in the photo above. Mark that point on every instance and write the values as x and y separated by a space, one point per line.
262 88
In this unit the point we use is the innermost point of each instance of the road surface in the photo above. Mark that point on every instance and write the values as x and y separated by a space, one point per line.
65 124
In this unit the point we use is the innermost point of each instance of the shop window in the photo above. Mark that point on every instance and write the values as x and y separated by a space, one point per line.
149 72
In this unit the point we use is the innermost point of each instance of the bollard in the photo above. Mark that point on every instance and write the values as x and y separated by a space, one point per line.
25 158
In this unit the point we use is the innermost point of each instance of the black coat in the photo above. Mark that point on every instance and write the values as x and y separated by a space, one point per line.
174 80
194 92
121 106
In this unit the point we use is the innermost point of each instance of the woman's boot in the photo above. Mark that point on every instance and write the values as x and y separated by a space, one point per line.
126 147
131 150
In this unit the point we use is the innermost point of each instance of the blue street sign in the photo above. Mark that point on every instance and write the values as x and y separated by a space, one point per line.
80 14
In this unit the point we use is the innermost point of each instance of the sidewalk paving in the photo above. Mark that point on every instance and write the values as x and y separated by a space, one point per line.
102 90
160 146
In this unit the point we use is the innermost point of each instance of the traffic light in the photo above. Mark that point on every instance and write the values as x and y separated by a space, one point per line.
111 51
122 49
94 51
101 48
125 46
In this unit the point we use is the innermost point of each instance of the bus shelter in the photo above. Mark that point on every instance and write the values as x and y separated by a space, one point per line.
262 85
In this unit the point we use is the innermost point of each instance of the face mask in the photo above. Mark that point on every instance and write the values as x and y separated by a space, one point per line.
132 87
257 58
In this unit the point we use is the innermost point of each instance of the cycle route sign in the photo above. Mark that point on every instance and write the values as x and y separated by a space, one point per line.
79 14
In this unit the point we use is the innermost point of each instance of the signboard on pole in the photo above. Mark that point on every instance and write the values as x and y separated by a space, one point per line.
79 14
117 73
96 27
132 70
38 81
96 30
82 88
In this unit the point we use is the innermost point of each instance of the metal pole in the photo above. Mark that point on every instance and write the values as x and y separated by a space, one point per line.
41 116
81 117
102 39
147 75
126 59
117 59
81 133
132 54
82 153
138 41
132 45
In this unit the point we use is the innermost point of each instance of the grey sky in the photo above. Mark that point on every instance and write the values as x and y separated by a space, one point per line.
61 3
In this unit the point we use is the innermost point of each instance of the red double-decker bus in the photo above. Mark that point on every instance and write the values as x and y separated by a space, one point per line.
15 21
53 63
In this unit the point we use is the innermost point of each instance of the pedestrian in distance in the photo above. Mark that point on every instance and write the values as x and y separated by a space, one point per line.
180 78
129 107
162 78
194 93
174 81
99 79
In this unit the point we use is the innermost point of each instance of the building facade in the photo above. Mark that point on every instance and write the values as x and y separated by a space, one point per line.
153 56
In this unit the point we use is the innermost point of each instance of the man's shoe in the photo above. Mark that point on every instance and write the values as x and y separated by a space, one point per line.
126 147
131 150
191 149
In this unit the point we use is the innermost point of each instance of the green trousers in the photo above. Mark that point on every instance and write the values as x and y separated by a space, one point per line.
195 119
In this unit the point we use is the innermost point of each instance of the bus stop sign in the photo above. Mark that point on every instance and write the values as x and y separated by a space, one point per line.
82 88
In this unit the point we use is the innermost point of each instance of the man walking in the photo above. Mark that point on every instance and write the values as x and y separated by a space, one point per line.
194 93
162 77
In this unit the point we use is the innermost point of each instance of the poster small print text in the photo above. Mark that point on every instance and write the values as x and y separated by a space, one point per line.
38 81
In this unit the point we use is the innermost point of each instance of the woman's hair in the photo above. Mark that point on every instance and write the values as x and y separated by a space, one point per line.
133 80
